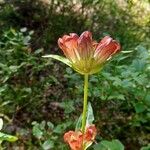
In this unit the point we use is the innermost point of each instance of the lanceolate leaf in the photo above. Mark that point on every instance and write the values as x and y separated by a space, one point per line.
90 118
59 58
6 137
90 115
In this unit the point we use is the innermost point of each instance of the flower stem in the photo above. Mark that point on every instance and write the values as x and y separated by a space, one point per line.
85 103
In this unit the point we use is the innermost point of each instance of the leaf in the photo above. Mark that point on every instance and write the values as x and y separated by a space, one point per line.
42 125
61 127
68 106
13 68
37 132
90 115
139 107
59 58
147 99
6 137
23 29
139 64
109 145
48 144
90 118
146 147
38 51
50 125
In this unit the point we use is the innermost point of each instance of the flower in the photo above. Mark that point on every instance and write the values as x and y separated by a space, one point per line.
87 56
77 140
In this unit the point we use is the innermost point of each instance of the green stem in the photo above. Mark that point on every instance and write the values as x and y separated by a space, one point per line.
85 103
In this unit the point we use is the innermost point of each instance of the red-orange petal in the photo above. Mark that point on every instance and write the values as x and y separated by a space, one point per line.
85 45
104 42
90 133
67 136
74 139
106 48
68 44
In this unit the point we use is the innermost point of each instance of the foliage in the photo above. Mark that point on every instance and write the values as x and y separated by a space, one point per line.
33 88
23 86
48 136
50 19
20 71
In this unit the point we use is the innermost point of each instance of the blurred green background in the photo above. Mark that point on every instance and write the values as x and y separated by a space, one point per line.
40 99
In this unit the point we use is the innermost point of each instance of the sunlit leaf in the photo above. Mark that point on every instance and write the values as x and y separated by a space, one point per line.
48 144
6 137
37 132
59 58
50 125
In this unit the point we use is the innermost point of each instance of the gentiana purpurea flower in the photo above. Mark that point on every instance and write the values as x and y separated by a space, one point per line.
85 55
77 140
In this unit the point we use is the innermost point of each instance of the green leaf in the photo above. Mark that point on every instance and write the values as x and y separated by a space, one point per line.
42 125
50 125
48 144
68 106
38 51
147 99
139 107
37 132
90 115
90 118
23 29
59 58
146 147
109 145
61 127
6 137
